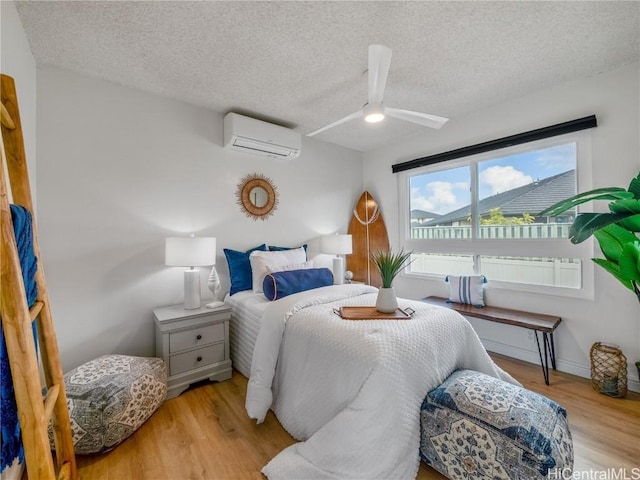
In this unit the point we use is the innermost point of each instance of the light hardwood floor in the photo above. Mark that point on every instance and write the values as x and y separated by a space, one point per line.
205 433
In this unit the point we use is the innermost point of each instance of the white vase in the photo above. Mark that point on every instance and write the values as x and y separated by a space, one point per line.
386 301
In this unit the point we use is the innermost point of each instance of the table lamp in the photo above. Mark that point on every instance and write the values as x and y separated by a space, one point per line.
190 252
338 244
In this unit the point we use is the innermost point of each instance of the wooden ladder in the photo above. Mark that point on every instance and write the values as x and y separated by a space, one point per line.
34 412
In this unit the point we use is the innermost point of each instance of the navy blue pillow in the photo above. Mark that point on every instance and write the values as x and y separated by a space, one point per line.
273 248
280 284
240 268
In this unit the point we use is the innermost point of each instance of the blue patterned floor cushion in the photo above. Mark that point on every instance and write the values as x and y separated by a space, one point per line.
474 426
110 397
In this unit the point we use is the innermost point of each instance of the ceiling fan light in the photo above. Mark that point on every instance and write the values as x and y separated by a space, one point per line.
374 117
373 112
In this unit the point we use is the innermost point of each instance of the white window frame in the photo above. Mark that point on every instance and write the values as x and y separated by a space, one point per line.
561 248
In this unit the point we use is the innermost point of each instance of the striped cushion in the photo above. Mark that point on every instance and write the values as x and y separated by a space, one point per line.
466 289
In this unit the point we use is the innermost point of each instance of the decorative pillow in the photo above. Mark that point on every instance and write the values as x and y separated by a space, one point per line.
240 268
466 289
280 284
273 248
260 261
296 266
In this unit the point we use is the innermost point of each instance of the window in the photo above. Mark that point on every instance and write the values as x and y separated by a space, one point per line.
479 214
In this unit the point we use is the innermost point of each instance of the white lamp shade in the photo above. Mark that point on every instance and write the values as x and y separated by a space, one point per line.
340 244
190 251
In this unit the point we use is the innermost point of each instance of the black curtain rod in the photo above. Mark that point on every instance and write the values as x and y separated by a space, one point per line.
530 136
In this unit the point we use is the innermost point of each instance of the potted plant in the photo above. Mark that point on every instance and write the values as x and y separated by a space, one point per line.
616 231
389 264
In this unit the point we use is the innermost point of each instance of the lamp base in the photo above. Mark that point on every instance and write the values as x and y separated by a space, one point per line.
215 304
191 289
338 271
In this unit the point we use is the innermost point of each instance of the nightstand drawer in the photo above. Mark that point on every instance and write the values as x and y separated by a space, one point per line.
195 337
201 357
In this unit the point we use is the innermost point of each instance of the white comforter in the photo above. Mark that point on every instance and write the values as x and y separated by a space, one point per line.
351 390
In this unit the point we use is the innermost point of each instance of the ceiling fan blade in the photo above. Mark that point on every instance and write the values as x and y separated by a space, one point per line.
338 122
425 119
379 64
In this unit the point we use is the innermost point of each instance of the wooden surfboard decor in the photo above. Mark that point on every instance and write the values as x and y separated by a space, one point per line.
369 234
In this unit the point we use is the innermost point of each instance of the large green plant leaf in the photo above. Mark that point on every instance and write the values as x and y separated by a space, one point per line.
607 193
614 270
615 231
630 261
612 240
630 206
586 224
625 205
634 187
631 223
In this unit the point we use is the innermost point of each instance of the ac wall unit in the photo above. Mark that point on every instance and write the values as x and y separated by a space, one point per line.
248 135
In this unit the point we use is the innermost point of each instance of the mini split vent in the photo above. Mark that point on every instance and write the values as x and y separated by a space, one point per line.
248 135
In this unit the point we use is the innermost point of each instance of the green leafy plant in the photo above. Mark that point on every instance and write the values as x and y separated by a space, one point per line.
389 264
615 231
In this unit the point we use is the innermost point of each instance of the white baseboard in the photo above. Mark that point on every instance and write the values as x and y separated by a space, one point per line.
532 356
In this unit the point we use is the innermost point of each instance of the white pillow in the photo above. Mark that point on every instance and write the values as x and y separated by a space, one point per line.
260 261
294 266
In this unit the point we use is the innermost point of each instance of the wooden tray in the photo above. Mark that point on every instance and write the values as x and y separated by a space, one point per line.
370 313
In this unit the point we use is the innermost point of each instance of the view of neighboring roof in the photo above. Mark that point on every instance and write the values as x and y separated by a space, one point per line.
531 199
422 214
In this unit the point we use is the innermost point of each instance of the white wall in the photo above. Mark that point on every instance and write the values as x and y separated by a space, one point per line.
614 315
120 170
17 61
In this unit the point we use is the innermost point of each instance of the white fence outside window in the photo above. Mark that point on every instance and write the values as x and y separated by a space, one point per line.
527 231
557 272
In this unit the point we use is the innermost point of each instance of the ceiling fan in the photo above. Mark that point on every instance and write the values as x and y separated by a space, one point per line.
374 110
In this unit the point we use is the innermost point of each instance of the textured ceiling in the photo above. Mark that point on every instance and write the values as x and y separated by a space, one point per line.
302 64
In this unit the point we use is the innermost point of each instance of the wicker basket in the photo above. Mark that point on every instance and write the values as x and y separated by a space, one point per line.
608 370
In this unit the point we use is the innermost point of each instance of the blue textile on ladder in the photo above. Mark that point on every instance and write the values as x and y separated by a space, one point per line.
11 438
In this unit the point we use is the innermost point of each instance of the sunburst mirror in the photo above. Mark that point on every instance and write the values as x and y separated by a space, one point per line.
257 196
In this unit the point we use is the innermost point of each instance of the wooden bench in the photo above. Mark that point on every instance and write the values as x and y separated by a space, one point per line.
546 324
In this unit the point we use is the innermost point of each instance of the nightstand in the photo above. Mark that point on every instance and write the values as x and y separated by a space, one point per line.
194 344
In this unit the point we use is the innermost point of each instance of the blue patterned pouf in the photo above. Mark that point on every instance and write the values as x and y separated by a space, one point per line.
110 397
474 426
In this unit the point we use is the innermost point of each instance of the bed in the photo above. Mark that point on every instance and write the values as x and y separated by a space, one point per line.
349 391
246 313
